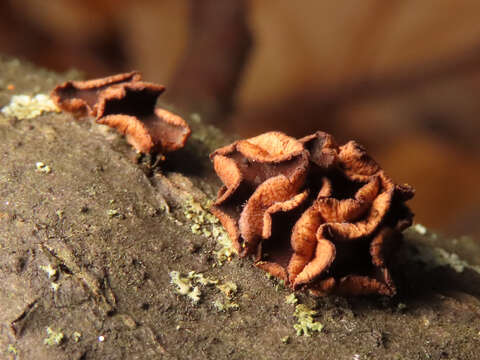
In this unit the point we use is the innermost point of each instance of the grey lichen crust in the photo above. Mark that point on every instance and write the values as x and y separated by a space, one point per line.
85 277
434 257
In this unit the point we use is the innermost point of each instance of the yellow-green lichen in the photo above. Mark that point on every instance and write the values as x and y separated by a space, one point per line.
278 284
226 305
59 213
291 299
28 107
185 285
12 349
54 286
113 213
202 280
206 224
54 337
76 336
229 289
50 270
306 324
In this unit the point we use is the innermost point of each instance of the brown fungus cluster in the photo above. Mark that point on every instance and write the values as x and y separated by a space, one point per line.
127 104
316 215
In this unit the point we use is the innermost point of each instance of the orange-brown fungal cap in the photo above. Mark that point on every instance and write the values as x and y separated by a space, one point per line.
273 147
322 147
80 97
253 161
130 108
261 176
355 163
331 226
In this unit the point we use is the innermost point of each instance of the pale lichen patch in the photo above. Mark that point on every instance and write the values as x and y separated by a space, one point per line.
76 336
40 166
291 299
28 107
185 285
419 228
306 324
226 305
54 337
54 286
114 213
204 223
435 257
12 349
229 289
50 270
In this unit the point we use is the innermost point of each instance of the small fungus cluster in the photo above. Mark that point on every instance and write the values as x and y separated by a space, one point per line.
315 214
127 104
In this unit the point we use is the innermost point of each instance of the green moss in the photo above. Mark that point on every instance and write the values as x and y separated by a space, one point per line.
29 107
55 338
306 324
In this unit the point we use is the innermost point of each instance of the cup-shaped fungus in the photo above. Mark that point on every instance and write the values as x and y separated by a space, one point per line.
315 214
81 97
127 104
262 176
130 108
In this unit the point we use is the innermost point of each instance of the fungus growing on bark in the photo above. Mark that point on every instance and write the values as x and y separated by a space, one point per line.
267 171
130 108
81 97
127 104
315 214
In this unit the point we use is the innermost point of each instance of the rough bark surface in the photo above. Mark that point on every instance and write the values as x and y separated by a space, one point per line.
86 251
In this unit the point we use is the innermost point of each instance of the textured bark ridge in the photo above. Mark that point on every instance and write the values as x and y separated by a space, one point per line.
317 215
89 239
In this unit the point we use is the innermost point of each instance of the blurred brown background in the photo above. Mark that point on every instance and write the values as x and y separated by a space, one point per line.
402 77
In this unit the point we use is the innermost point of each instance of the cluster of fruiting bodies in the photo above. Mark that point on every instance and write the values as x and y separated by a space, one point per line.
314 214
